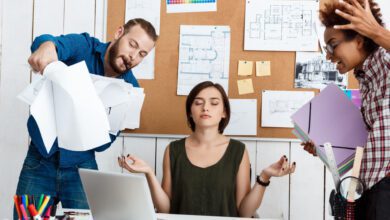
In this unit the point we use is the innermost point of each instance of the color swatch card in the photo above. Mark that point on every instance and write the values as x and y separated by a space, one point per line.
245 68
245 86
263 68
179 6
354 95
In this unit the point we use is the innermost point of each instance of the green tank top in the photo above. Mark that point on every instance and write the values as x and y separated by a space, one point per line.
205 191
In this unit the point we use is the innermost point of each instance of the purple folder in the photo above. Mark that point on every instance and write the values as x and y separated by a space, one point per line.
332 117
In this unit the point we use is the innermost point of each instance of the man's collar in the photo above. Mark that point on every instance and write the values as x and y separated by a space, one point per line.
102 48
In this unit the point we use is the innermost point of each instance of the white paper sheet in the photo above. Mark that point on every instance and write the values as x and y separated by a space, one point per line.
243 117
281 25
175 6
204 53
122 101
42 108
150 11
278 106
80 116
66 106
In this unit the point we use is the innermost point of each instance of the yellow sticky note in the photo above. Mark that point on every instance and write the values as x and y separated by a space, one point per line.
245 68
245 86
263 68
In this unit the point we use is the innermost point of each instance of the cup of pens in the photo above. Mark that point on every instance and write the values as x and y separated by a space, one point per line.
43 207
348 195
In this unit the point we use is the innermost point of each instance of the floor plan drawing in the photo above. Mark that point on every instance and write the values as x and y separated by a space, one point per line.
281 25
203 55
278 106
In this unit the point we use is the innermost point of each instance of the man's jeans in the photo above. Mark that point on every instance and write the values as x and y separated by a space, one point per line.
41 175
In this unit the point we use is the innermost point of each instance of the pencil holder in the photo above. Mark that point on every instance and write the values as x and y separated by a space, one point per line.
341 208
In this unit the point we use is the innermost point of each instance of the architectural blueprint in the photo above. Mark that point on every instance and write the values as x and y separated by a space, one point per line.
204 53
150 11
281 25
278 106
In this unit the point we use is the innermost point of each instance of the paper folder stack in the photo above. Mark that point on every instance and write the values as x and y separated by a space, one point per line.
332 117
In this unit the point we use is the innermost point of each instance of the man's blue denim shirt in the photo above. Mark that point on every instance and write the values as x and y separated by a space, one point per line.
71 49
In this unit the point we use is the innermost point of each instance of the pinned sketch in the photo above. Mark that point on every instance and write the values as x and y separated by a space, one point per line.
278 106
280 25
150 11
312 70
320 29
243 117
204 53
177 6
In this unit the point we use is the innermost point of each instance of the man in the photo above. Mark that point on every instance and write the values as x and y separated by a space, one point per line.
55 173
356 39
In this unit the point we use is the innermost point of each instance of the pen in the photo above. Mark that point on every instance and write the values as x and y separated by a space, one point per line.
47 213
26 200
33 212
16 200
44 204
23 211
54 209
40 201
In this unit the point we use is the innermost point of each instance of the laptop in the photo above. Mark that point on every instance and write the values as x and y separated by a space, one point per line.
117 196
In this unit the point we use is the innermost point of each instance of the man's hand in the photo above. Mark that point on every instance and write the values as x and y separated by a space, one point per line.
45 54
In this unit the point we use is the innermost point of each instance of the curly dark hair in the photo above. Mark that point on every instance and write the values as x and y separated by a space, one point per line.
329 18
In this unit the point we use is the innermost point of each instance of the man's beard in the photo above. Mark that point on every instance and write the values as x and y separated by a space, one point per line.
113 55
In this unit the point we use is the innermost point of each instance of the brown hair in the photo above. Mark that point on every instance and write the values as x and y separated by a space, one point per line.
146 25
329 18
191 97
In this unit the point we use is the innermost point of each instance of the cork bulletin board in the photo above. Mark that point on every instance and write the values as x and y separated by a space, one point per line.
163 111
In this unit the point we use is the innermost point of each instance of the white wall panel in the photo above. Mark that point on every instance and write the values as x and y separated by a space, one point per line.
48 17
162 143
79 16
251 148
275 202
142 147
107 160
15 76
100 19
307 185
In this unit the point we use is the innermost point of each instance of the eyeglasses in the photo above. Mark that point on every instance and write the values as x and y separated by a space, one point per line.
329 48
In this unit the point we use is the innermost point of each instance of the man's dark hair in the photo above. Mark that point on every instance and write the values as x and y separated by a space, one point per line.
146 25
195 91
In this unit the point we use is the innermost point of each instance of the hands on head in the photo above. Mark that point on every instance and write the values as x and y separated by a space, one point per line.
361 18
279 168
133 164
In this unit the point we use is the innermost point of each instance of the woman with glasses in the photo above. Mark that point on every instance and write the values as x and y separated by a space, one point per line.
356 40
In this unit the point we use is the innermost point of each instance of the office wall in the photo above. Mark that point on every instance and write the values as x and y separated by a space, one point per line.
21 20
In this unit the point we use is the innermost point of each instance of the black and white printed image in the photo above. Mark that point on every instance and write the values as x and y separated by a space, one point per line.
312 70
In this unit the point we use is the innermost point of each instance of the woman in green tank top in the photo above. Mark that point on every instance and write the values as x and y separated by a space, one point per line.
207 173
